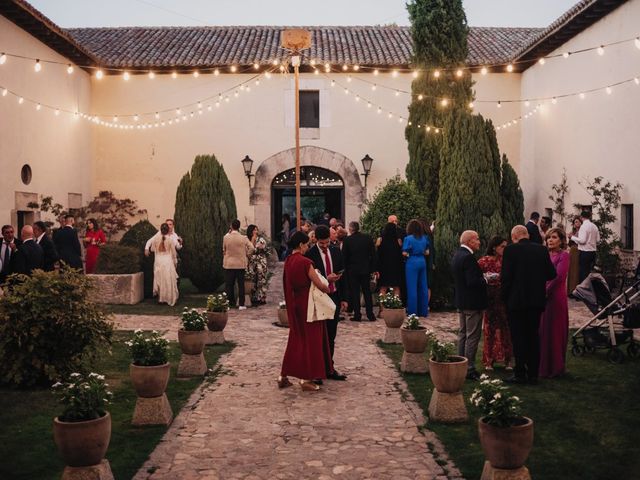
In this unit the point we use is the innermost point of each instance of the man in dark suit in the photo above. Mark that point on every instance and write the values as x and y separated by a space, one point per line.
470 298
359 254
533 229
526 268
8 248
50 253
29 255
68 245
328 260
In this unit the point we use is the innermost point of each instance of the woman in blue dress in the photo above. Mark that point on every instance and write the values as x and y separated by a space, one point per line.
414 248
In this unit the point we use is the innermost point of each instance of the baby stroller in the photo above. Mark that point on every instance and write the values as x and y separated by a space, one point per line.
613 320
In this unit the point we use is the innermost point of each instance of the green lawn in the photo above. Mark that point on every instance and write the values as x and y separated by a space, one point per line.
27 450
586 423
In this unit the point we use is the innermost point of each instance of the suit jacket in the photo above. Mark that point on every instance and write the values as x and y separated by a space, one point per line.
359 254
236 249
470 285
27 258
317 257
526 267
534 232
50 253
68 246
6 269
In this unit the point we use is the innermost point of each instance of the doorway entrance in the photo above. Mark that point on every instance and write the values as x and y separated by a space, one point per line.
321 191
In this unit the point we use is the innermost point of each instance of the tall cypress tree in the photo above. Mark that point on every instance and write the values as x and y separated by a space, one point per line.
512 197
439 31
205 207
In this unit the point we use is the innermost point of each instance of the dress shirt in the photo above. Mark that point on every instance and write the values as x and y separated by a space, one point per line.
328 266
588 237
40 238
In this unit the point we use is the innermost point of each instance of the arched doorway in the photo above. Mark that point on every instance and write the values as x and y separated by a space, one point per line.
327 161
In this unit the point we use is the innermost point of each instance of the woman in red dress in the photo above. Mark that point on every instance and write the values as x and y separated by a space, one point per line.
94 238
307 356
497 337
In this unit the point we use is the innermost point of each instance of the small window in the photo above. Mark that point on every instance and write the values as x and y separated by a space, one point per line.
626 224
25 174
309 109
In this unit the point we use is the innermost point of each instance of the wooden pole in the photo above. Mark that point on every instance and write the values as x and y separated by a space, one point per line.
297 94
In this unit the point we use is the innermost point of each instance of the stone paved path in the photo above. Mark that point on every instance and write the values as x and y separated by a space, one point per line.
242 426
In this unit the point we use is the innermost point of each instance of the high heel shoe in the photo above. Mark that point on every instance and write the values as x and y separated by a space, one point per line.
307 386
283 382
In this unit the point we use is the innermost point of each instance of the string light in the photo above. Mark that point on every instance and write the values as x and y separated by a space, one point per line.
152 75
373 87
136 118
459 73
57 112
542 61
3 58
126 76
37 67
356 68
256 66
637 81
216 72
38 107
471 105
637 43
349 78
415 73
174 74
499 105
196 73
601 50
420 97
436 73
4 92
565 55
510 68
345 67
582 95
233 69
554 100
376 72
444 102
99 74
394 73
609 90
484 70
20 101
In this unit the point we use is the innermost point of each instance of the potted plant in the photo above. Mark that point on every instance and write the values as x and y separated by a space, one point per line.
506 435
393 313
83 431
192 336
217 312
447 371
414 336
283 319
149 367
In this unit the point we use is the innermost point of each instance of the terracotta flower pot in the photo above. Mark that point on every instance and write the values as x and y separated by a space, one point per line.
216 321
448 377
283 319
82 444
506 447
191 342
393 317
414 341
150 382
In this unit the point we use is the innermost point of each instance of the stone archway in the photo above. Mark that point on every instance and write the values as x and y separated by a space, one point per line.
354 191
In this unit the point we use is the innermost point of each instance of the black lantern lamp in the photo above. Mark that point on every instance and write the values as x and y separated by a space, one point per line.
367 161
247 165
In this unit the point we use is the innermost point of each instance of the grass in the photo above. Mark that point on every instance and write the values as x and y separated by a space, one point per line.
27 450
586 423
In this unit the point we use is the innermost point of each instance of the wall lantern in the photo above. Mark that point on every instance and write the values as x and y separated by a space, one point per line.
367 161
247 165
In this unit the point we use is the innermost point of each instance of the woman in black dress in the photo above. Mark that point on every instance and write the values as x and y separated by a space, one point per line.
390 259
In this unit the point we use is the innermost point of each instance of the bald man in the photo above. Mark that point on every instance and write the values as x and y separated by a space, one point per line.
29 255
526 268
470 298
392 219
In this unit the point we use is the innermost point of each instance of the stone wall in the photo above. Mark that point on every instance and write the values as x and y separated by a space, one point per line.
118 289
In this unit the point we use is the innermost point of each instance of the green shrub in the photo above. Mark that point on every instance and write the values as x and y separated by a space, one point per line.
84 397
412 322
48 327
148 350
137 237
118 259
441 351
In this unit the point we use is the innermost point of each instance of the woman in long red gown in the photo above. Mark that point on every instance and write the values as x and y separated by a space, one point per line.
554 326
497 337
94 238
307 356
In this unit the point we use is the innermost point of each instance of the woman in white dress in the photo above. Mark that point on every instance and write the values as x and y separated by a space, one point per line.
165 277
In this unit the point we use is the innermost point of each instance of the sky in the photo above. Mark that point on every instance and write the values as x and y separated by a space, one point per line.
115 13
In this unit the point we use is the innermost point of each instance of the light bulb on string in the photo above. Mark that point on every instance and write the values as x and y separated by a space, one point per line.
178 111
235 94
428 128
126 76
436 73
437 130
4 92
459 73
471 105
356 68
70 69
38 66
637 42
136 118
444 102
345 67
57 112
374 86
369 105
420 97
333 83
379 110
565 55
216 72
256 66
199 105
281 68
637 81
349 78
484 70
394 73
554 100
601 50
174 74
99 74
582 95
397 93
233 69
499 104
20 101
196 73
346 92
115 119
376 72
609 90
267 75
415 73
152 75
510 68
38 107
3 58
257 82
542 61
527 103
316 71
209 108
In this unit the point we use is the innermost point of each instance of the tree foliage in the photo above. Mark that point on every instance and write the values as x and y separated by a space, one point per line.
560 191
512 197
205 207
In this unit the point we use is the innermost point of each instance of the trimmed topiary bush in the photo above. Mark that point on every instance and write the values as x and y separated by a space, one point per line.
205 207
48 327
118 259
512 197
137 237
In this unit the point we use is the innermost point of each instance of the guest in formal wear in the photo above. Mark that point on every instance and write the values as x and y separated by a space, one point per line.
257 266
526 269
328 261
574 257
177 239
41 236
545 225
8 248
587 241
29 255
554 326
390 261
415 247
165 275
93 240
359 253
68 244
308 355
497 337
470 298
236 249
534 230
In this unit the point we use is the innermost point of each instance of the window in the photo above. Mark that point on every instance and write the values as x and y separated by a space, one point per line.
25 174
309 109
626 223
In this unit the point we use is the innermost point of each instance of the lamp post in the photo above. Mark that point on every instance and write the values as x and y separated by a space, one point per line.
296 40
367 161
247 165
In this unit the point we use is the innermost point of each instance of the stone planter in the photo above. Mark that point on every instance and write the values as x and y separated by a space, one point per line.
82 444
216 321
283 318
506 449
152 406
447 404
393 320
191 342
414 343
192 362
117 289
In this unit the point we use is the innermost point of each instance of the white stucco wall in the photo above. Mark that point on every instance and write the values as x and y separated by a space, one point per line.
58 149
591 137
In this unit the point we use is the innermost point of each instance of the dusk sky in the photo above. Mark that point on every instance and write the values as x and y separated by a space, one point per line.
112 13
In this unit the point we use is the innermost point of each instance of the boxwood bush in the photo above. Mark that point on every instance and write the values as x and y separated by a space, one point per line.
118 259
137 237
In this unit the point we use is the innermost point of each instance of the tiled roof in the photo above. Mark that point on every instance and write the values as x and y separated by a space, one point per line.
201 47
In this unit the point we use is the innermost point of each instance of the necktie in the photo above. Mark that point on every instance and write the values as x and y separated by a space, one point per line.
327 270
7 256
